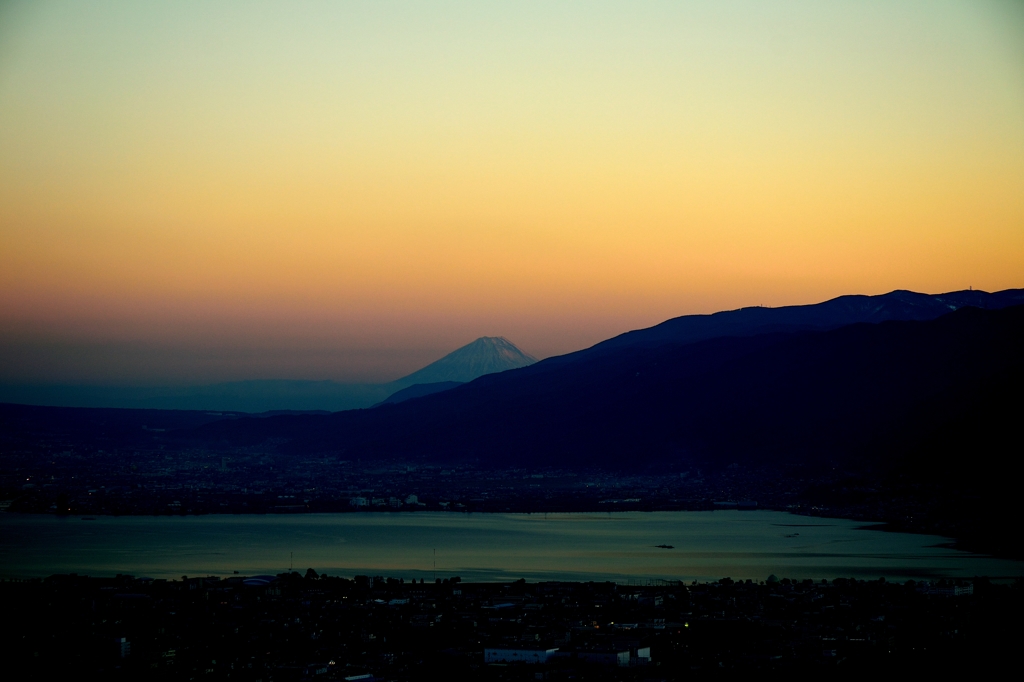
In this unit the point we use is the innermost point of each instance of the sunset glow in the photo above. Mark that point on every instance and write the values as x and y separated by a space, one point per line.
198 192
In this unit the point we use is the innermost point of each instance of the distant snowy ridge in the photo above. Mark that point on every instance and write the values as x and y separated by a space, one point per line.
486 355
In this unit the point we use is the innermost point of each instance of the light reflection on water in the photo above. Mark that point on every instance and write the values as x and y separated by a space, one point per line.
599 546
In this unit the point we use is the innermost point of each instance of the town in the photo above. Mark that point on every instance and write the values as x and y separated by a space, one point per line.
66 477
297 626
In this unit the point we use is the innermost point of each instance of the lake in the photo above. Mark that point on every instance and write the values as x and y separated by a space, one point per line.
484 547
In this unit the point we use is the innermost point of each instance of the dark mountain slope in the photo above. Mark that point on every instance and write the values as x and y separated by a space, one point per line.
418 391
832 314
843 396
962 457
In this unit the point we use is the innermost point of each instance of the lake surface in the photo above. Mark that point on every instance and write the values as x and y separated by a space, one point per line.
484 547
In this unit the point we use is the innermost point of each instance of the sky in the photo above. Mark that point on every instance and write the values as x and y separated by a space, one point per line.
195 192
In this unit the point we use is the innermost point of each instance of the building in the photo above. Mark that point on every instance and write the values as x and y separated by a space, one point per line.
605 657
529 655
946 590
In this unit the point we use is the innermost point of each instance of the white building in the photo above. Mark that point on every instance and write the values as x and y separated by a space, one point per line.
522 655
606 657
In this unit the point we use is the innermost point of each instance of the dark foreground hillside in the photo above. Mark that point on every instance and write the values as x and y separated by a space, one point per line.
859 396
294 627
911 422
922 413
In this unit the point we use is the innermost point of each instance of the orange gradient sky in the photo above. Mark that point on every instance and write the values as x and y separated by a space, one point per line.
209 191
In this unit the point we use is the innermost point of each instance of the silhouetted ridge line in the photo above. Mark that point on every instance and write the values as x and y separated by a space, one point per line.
831 314
841 396
418 391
